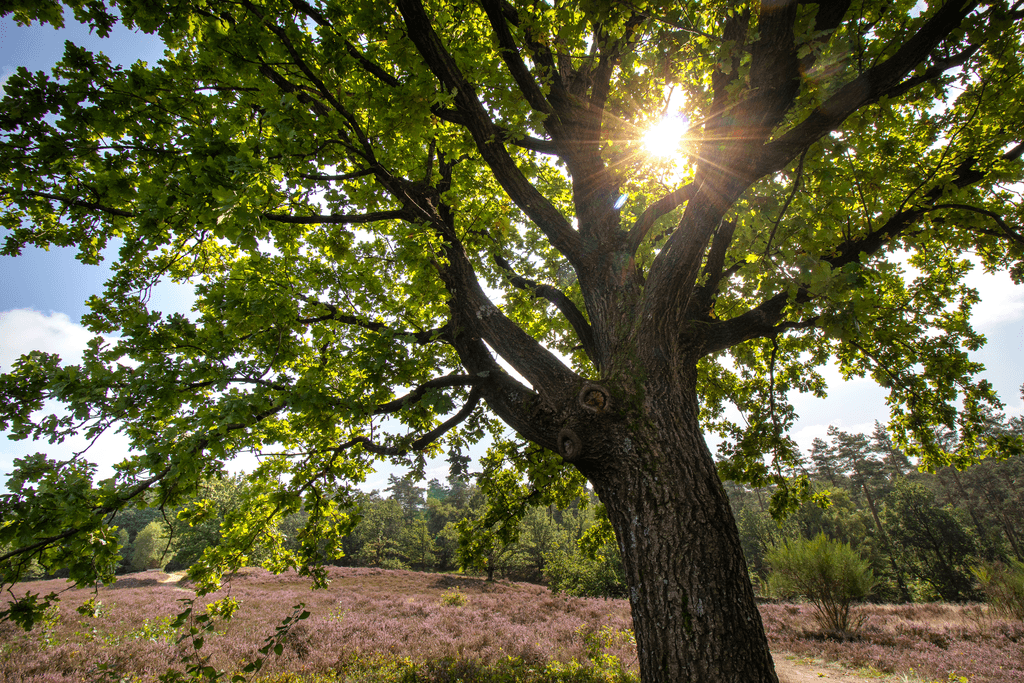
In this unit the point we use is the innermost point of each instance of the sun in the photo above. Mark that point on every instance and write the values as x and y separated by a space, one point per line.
664 138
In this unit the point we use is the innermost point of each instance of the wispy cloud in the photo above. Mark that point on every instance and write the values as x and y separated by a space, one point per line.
23 330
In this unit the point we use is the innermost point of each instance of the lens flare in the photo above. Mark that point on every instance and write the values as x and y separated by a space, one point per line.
663 139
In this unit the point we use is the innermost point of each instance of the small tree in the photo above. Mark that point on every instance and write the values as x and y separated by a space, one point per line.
828 573
150 547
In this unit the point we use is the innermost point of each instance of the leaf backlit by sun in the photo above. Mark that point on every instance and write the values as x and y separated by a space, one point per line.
663 139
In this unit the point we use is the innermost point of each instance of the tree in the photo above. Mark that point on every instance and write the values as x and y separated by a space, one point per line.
387 208
150 547
407 495
375 540
935 542
855 449
828 573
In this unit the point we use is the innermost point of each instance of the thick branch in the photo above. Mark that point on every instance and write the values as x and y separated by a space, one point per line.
764 319
885 79
513 60
733 168
473 311
714 268
556 296
444 113
486 135
673 200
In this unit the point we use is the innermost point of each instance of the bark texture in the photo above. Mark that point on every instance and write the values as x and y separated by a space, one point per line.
694 612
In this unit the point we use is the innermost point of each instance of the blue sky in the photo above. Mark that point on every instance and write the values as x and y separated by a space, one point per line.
42 293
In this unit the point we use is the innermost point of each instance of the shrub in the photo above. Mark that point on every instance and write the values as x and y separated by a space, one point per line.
150 547
1003 585
569 570
828 573
454 598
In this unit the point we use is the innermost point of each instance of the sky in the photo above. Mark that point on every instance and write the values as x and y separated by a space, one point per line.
42 293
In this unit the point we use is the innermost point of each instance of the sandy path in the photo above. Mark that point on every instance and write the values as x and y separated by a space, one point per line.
793 669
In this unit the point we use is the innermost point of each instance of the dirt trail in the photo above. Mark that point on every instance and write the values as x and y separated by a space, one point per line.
173 577
793 669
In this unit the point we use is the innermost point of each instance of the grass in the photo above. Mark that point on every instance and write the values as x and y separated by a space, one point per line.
380 626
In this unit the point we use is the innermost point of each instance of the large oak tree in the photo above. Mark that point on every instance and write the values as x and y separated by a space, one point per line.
411 223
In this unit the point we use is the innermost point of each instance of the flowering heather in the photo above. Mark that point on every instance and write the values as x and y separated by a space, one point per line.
374 625
363 615
929 641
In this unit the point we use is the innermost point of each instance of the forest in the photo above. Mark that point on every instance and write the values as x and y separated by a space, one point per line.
925 535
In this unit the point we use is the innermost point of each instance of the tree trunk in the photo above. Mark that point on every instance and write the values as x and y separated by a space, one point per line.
904 591
694 613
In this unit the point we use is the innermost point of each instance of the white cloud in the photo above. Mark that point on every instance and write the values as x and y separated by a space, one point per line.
1002 301
23 330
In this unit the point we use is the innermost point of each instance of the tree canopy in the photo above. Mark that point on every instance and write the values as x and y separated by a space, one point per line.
414 225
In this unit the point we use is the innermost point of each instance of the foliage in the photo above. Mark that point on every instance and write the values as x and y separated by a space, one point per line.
934 540
1003 585
453 598
828 573
590 566
150 547
912 526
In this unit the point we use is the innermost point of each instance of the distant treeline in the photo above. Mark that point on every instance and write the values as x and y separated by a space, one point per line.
426 528
923 533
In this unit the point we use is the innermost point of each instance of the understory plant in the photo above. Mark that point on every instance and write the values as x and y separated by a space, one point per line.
1003 585
829 573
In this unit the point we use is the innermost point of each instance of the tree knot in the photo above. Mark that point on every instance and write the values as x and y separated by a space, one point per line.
595 398
569 445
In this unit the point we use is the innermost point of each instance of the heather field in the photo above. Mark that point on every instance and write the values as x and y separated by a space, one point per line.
380 626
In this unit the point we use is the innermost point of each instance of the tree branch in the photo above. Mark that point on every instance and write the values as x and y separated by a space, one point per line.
643 224
557 297
420 391
138 490
486 135
883 79
1007 230
510 55
341 219
764 319
420 443
79 203
421 337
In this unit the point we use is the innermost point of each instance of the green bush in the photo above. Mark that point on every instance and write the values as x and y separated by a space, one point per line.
150 547
454 598
828 573
1003 585
569 570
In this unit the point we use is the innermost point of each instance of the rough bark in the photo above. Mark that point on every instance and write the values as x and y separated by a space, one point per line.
694 612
